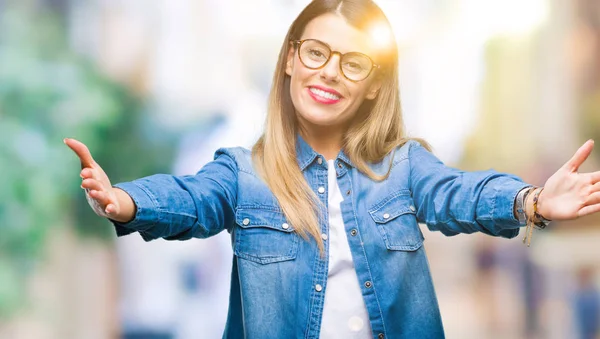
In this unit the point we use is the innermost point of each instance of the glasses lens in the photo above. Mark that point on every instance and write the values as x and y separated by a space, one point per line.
356 66
314 54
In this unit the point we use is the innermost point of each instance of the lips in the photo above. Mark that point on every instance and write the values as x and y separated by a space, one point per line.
324 95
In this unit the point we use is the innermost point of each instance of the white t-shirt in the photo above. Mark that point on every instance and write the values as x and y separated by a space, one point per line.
344 314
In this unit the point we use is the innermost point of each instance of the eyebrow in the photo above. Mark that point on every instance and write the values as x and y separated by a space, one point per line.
336 49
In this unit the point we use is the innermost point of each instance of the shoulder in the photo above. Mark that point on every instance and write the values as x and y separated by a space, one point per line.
241 156
405 151
395 169
404 159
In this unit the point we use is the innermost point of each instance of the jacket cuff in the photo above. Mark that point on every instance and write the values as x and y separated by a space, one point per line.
147 208
503 209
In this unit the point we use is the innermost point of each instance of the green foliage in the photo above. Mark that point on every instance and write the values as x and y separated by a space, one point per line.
46 94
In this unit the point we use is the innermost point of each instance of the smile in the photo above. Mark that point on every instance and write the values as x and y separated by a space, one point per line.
324 94
324 97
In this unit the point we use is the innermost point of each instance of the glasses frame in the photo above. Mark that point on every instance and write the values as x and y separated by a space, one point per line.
298 45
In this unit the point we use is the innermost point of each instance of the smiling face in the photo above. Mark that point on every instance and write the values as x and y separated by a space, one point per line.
324 97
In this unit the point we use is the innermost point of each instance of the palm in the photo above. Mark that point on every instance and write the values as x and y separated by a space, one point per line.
569 194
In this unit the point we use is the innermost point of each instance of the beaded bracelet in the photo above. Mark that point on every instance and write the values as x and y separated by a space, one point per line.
541 222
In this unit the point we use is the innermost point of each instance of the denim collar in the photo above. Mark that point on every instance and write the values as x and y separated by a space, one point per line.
306 155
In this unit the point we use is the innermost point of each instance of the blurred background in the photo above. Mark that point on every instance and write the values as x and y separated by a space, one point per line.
156 86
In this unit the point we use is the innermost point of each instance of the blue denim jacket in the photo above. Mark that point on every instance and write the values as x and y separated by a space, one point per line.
278 280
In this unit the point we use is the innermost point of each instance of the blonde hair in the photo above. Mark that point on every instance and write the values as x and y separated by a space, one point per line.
376 131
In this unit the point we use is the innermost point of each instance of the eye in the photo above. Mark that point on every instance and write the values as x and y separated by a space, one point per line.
316 53
353 65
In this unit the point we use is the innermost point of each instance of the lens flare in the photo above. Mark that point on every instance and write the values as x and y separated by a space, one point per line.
381 34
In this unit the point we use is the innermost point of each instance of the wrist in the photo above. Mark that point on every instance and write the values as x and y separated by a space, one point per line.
537 216
540 207
127 207
534 217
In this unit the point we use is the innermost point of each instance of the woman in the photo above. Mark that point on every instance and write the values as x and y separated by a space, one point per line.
323 211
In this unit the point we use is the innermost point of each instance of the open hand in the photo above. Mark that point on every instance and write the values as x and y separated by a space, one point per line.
100 193
569 194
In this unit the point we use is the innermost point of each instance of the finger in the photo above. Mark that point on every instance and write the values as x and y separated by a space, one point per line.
580 156
596 187
110 209
87 173
82 152
595 177
593 199
92 184
590 209
101 197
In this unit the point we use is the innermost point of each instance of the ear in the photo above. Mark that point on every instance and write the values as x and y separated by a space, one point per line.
374 89
289 66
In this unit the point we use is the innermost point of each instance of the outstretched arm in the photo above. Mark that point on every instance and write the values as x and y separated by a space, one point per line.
161 205
454 201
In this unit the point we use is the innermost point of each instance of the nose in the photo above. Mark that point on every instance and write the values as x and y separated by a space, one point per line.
331 71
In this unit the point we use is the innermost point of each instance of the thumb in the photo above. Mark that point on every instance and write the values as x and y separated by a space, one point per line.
580 156
82 152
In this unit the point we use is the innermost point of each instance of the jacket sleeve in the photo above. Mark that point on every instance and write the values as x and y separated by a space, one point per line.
454 201
182 207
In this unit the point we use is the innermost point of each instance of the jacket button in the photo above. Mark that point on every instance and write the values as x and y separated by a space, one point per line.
246 221
339 165
380 336
412 208
348 192
318 288
386 216
319 160
324 236
368 284
353 233
285 226
321 190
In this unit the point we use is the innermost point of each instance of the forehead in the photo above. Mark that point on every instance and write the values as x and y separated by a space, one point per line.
334 30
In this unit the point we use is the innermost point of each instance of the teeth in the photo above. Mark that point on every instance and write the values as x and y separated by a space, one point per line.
324 94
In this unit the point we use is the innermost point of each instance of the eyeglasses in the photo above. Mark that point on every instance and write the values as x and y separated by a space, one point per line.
315 54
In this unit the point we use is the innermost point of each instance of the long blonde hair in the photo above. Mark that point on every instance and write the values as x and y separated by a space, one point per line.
376 131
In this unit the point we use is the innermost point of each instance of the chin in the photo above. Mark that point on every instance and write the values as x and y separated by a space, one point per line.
320 119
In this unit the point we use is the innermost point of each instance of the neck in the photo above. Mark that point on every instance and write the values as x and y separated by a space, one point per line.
324 140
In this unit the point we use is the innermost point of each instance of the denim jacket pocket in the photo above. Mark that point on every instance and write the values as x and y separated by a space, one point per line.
395 218
263 235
